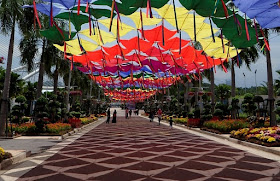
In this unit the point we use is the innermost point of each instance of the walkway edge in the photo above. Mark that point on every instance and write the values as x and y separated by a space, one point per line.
15 159
77 130
224 137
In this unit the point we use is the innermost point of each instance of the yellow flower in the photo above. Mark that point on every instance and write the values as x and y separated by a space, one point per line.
236 133
2 152
271 139
258 136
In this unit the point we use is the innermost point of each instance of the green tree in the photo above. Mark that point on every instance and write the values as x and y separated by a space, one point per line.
19 109
30 90
10 13
248 104
223 92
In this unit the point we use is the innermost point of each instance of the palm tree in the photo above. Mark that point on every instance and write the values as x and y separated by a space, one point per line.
223 92
270 84
10 13
31 42
209 74
248 56
61 66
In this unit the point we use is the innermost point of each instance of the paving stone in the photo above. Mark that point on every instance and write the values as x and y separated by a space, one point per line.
136 149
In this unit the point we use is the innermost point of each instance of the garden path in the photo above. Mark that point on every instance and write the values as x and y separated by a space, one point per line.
136 149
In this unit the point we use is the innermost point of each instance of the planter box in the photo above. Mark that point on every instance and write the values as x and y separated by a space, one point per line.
194 122
259 142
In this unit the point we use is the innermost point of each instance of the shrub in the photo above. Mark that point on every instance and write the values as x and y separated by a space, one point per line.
75 114
180 120
219 113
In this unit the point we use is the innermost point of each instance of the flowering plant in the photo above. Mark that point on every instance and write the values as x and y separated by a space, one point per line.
268 135
24 128
75 122
58 127
225 126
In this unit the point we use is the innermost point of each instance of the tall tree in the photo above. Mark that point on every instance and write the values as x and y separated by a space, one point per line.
270 83
10 13
248 56
31 42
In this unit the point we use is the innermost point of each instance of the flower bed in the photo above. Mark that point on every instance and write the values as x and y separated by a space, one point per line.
24 128
183 121
75 122
193 122
224 126
58 128
264 136
4 155
85 121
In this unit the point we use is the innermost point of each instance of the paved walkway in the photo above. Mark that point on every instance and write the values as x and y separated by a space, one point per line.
136 149
35 144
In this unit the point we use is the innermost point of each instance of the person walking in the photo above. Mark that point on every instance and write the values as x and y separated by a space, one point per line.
130 113
114 120
171 122
151 116
126 113
159 114
108 116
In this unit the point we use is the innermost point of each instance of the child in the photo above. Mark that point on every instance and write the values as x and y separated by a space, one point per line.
171 122
159 113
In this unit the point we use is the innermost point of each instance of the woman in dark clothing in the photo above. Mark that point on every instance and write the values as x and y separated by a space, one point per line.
114 120
108 116
151 116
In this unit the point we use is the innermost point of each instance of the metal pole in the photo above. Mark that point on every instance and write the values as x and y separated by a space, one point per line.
245 82
256 82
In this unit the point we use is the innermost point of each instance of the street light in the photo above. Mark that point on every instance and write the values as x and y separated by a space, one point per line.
256 81
245 82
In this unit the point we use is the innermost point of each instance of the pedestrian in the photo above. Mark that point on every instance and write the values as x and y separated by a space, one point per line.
151 116
114 120
171 122
126 113
130 113
159 114
108 116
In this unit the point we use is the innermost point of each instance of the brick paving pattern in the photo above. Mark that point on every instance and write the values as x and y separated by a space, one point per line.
136 149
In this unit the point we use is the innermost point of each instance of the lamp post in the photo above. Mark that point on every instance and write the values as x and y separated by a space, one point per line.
245 82
256 81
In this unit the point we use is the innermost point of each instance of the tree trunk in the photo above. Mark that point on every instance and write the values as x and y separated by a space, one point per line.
68 90
212 88
55 78
233 91
41 71
5 94
270 85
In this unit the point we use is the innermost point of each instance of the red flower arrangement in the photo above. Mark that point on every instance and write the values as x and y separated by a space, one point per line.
75 122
